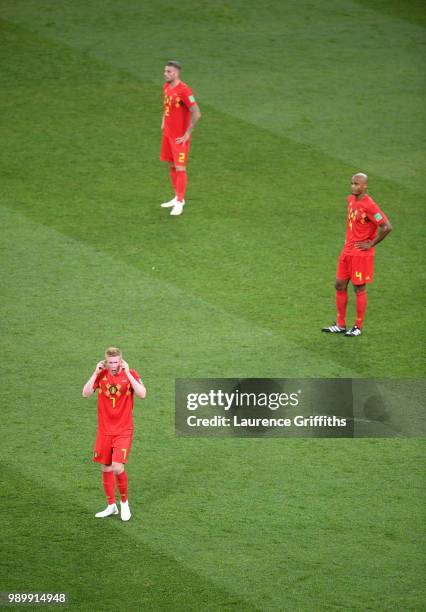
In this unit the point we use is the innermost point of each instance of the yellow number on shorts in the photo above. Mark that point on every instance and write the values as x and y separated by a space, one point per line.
358 275
125 452
181 158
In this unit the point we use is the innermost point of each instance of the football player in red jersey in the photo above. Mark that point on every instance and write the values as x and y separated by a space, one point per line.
180 115
117 384
366 226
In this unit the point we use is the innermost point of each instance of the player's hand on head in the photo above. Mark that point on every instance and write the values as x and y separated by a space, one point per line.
100 366
125 366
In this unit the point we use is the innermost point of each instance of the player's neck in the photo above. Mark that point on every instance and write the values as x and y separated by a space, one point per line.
360 196
174 83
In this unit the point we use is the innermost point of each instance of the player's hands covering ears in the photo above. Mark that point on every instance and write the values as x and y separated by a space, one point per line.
99 367
125 366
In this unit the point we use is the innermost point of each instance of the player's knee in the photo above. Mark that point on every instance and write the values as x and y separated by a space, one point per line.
359 288
106 468
117 467
180 168
340 285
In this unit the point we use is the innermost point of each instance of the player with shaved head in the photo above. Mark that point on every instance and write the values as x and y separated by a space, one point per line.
366 226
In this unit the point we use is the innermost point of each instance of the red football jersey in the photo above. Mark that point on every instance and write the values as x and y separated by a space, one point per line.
115 402
177 102
364 217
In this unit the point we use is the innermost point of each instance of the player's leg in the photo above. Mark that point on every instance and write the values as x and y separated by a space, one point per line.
103 454
172 168
121 480
181 182
123 487
361 306
341 286
180 155
120 454
341 301
108 484
167 156
171 202
362 273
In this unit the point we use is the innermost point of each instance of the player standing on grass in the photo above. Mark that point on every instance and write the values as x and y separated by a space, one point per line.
181 113
367 225
116 385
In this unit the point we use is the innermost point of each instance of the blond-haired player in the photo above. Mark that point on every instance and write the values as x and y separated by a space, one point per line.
117 385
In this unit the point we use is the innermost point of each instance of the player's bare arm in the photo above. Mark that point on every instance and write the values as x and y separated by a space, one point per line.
195 117
88 389
383 230
138 387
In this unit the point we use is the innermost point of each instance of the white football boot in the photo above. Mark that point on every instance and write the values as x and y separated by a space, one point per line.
125 511
354 331
178 208
109 510
169 204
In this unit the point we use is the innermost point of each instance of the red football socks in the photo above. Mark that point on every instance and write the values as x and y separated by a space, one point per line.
181 180
361 305
341 303
108 482
122 484
173 176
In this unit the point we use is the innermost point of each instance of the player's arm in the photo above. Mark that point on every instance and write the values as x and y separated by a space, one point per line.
138 386
383 230
88 388
193 120
162 122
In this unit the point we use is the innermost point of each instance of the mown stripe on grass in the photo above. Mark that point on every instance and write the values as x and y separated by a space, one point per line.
60 289
261 235
291 69
52 543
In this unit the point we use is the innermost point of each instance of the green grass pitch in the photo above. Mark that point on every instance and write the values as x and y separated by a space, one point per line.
295 97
